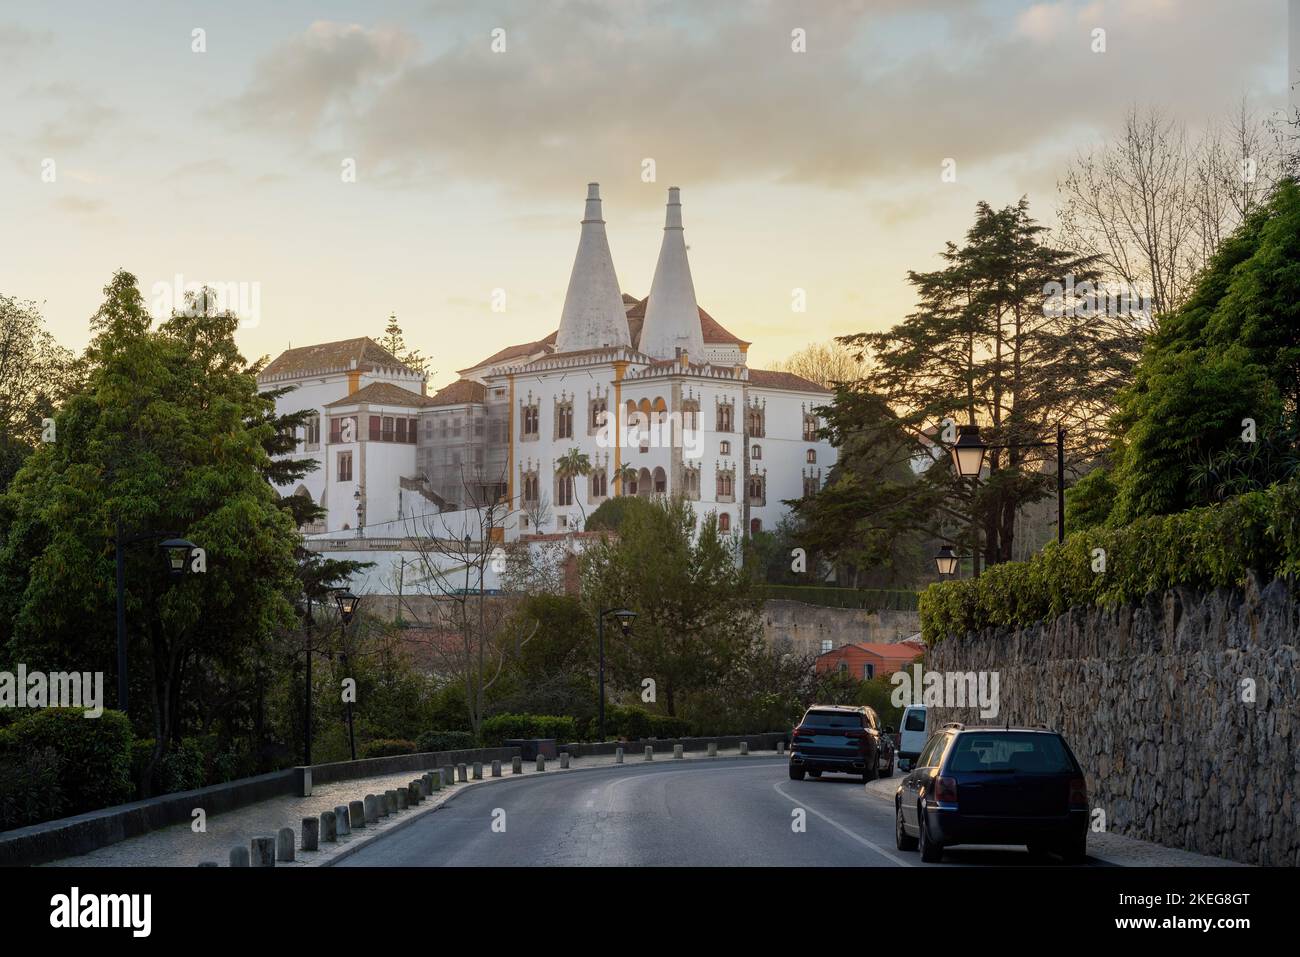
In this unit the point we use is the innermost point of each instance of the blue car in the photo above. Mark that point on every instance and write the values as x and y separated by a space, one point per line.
993 786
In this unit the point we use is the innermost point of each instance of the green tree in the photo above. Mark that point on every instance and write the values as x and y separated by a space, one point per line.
696 608
168 433
35 374
395 342
571 466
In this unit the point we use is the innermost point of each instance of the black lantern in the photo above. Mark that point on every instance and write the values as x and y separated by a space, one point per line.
178 552
946 560
625 617
968 453
347 603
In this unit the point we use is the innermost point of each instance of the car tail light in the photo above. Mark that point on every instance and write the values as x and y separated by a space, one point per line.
945 790
1078 793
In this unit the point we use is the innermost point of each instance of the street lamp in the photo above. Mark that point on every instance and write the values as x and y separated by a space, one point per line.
968 457
347 604
625 617
946 560
177 551
968 453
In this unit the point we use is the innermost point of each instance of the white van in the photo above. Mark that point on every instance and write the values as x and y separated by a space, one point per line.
913 732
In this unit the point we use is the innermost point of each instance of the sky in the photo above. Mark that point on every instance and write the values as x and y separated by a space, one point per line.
214 143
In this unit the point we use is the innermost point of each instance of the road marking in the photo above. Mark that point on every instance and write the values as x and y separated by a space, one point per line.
901 862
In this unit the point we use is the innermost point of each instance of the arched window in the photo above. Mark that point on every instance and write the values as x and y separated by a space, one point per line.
724 522
661 481
644 484
811 457
755 526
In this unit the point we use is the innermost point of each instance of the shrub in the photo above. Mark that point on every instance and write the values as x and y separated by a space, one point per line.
387 748
1203 548
31 787
96 753
181 768
498 728
666 726
445 741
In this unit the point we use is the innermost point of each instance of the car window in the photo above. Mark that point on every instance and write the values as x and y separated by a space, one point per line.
915 720
832 719
929 754
1026 752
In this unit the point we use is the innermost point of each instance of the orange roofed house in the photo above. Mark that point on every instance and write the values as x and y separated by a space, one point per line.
869 659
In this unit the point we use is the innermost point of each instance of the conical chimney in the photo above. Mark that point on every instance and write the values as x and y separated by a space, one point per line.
594 314
672 316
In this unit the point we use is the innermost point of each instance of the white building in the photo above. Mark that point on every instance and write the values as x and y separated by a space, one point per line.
654 392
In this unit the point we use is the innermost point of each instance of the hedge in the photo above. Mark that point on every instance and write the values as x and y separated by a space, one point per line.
1204 548
498 728
445 741
95 752
387 748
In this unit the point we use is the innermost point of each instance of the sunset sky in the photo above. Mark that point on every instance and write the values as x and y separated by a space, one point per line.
817 170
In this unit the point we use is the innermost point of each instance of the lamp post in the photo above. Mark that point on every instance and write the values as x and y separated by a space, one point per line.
347 605
968 458
177 551
625 617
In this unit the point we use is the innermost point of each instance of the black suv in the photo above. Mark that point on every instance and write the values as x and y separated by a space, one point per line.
993 786
841 738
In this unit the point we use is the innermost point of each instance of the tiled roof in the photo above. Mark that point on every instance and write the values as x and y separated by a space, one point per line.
765 378
517 352
460 392
384 393
712 330
364 354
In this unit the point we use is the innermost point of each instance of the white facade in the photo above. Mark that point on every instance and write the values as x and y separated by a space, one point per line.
656 386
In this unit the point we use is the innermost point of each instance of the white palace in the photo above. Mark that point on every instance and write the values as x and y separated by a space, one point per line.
654 392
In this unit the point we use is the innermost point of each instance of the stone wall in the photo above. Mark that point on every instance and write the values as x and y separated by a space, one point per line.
1154 700
808 625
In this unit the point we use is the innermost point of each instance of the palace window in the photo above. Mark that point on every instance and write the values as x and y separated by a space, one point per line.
724 522
725 417
345 467
530 488
691 483
756 452
809 427
691 414
599 484
726 485
755 420
724 447
757 490
755 526
564 420
343 429
811 457
531 422
810 486
311 431
564 490
599 407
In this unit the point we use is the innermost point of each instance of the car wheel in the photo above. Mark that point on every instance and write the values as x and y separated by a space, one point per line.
931 852
1075 851
814 774
901 838
889 768
872 769
796 774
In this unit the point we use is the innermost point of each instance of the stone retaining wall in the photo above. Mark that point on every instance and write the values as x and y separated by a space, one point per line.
1155 701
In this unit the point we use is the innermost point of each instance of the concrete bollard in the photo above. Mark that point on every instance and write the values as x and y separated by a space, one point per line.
618 755
356 815
649 752
780 747
448 776
435 779
284 843
239 857
261 851
425 785
478 770
327 827
311 828
677 752
402 797
462 772
414 793
564 760
713 749
371 809
516 765
541 762
390 801
744 747
496 769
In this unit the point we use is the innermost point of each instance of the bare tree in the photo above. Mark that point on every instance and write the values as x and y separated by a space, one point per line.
1153 205
825 363
469 634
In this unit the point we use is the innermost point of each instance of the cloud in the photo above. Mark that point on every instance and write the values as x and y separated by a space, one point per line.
302 83
590 90
17 42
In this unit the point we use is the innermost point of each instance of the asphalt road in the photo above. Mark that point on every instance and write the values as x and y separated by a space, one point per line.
725 813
